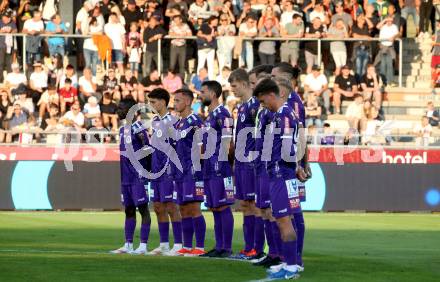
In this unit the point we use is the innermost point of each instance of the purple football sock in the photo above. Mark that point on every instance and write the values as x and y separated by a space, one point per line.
145 232
248 232
218 230
269 237
289 252
177 232
259 234
300 231
200 231
164 232
227 228
188 231
130 226
277 238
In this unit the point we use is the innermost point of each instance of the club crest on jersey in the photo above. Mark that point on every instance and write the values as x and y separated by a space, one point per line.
159 133
242 117
183 134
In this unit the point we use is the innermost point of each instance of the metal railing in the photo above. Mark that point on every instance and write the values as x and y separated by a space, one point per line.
168 37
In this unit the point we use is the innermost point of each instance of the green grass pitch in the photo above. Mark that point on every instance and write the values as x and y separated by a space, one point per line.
72 246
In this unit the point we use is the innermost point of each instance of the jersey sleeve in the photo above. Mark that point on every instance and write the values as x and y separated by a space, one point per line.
225 124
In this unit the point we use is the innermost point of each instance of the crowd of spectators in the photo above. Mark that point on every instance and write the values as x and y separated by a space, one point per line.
119 55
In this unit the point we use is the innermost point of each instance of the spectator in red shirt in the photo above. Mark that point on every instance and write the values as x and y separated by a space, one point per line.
68 95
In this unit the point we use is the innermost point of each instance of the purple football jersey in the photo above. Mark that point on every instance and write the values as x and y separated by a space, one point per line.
264 118
160 141
137 137
286 120
185 134
247 113
295 102
220 121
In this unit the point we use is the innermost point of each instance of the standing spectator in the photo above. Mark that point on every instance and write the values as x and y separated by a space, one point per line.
5 106
268 13
288 13
435 59
314 30
338 48
90 49
15 78
266 49
115 9
397 19
290 49
6 43
345 86
179 6
106 6
316 84
408 8
178 46
245 13
196 9
371 85
228 10
381 8
152 33
226 41
425 10
388 33
247 29
313 112
134 51
56 44
81 27
361 49
108 109
355 113
38 82
341 15
319 12
116 32
372 17
423 131
33 27
68 95
206 45
132 14
87 86
432 114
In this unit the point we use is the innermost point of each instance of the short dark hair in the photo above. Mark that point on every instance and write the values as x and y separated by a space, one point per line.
68 80
239 75
295 16
124 107
214 86
288 69
160 94
185 92
266 86
261 69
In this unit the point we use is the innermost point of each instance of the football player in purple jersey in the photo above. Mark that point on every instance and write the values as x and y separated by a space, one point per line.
188 184
133 137
163 186
217 172
281 166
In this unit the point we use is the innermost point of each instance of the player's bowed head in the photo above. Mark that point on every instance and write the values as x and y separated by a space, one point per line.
268 94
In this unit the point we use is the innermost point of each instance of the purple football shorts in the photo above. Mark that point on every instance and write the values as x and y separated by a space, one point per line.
162 190
219 192
134 194
245 183
188 191
262 192
284 197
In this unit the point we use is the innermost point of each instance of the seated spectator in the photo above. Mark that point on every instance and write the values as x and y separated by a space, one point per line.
38 82
16 118
108 109
91 111
313 111
345 86
178 46
316 83
51 124
289 51
423 131
206 45
151 81
371 135
15 78
101 133
361 49
50 96
266 49
5 108
247 29
70 74
388 33
315 30
338 48
21 96
172 81
432 114
55 70
128 81
225 42
110 81
74 117
68 95
371 85
87 86
223 77
355 113
328 137
7 25
56 44
197 80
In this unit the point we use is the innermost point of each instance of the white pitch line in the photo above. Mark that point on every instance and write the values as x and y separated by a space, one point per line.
23 251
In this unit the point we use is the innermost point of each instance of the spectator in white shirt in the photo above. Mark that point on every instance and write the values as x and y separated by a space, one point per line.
15 78
90 49
178 46
248 29
316 84
87 86
91 111
388 33
38 82
355 112
74 117
116 31
33 27
423 131
196 9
